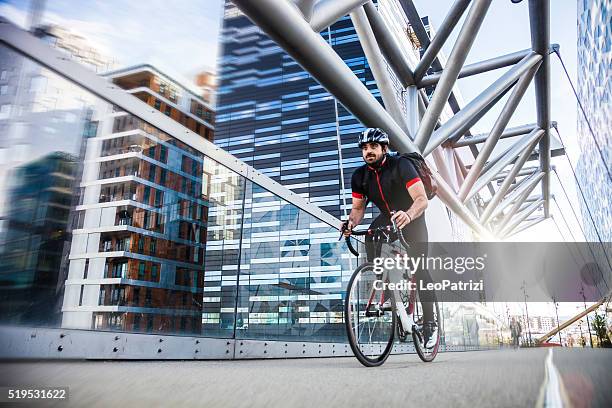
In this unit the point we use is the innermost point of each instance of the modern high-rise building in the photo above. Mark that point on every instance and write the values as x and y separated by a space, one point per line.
43 120
139 229
274 116
595 94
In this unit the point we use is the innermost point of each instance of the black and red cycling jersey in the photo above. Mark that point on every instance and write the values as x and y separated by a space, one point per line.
386 185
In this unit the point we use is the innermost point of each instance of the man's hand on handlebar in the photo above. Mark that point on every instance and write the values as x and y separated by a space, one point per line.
346 227
401 219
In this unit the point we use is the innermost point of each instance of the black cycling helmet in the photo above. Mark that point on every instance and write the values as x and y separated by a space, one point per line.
373 135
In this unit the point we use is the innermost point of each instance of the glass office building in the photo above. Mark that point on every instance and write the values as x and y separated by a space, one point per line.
595 93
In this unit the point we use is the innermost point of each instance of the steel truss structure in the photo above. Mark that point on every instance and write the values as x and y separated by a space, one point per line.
295 25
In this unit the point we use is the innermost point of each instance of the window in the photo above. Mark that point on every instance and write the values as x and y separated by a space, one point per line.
140 244
147 194
136 297
81 295
141 271
151 152
168 110
3 89
137 321
148 298
152 246
150 324
38 84
102 296
162 176
154 273
158 198
5 111
157 104
3 75
86 270
163 153
152 169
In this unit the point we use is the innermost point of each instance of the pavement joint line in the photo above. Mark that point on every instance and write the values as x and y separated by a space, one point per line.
552 391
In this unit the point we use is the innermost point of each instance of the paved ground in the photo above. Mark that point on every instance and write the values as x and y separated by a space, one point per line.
501 378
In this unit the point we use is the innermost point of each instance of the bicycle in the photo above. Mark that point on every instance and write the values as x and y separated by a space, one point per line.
371 309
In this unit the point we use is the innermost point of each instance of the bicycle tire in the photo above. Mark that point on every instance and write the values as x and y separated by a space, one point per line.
373 359
425 354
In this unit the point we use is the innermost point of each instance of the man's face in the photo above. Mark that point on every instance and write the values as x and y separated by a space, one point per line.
372 152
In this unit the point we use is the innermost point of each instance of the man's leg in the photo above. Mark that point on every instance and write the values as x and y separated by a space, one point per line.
417 237
373 249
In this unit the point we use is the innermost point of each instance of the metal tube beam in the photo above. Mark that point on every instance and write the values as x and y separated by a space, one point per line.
526 226
306 7
521 217
442 33
482 66
456 124
283 22
478 67
508 158
509 132
378 67
448 197
389 46
325 12
521 192
524 172
496 131
456 59
501 191
539 23
417 24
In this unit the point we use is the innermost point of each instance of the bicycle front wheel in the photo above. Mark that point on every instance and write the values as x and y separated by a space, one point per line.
426 354
369 317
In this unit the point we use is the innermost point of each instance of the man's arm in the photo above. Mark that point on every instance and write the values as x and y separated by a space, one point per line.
420 202
356 215
416 189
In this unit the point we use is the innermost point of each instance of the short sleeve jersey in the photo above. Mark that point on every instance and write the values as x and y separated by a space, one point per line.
386 186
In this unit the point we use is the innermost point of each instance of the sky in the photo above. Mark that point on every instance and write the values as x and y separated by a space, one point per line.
180 38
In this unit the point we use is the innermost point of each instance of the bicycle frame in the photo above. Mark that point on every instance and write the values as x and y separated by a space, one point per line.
406 319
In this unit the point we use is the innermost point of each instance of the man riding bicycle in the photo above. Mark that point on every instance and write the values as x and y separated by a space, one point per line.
393 184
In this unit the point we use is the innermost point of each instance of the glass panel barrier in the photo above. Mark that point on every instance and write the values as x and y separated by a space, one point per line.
109 224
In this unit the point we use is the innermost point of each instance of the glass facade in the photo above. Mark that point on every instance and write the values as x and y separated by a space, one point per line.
595 93
128 229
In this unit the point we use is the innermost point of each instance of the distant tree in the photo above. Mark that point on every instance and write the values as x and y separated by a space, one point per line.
601 329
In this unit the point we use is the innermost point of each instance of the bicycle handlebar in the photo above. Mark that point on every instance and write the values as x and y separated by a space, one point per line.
373 232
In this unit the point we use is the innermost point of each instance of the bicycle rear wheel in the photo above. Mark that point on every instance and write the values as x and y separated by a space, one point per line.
370 324
426 354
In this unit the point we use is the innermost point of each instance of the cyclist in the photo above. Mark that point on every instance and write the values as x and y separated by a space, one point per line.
394 186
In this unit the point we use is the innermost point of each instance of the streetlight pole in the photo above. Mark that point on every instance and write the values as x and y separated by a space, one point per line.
557 314
526 311
582 340
587 316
